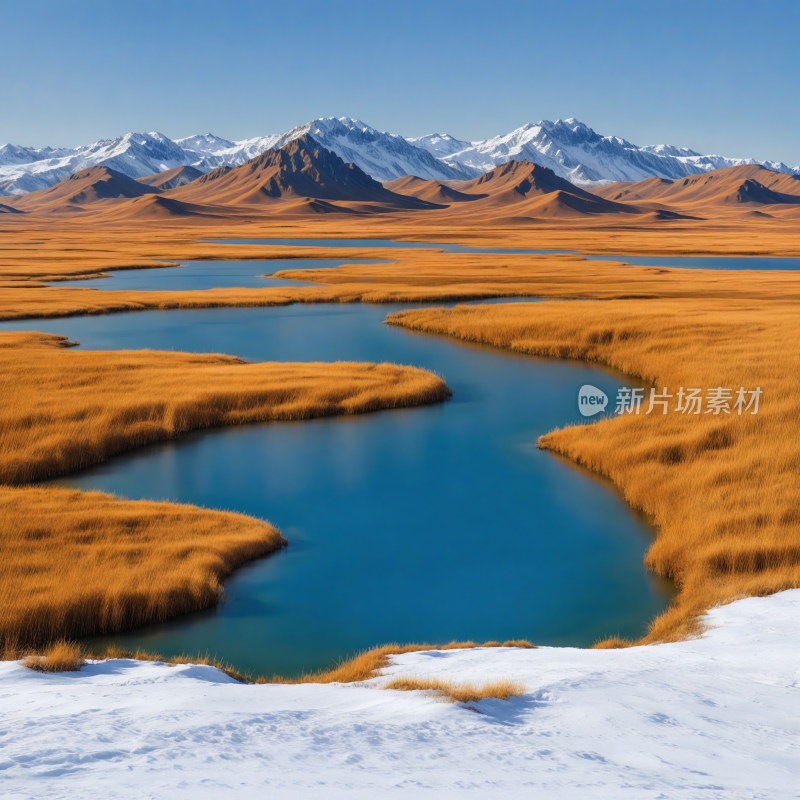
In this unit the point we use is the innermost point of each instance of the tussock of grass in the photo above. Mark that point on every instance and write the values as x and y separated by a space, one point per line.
458 692
612 643
61 656
723 492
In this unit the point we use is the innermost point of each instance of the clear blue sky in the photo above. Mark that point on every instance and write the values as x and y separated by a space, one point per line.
717 76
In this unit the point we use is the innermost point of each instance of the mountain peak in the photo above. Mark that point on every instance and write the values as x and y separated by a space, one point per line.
301 170
84 187
520 177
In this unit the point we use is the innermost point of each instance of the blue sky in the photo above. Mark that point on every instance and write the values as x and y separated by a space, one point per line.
717 76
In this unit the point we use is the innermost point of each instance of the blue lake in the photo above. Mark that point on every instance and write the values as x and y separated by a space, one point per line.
205 274
428 524
678 262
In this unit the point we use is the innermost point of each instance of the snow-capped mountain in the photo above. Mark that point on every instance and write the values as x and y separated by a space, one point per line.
384 156
576 152
134 155
440 144
570 148
205 143
13 154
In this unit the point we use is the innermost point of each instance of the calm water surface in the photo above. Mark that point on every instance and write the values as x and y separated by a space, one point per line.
205 274
683 262
428 524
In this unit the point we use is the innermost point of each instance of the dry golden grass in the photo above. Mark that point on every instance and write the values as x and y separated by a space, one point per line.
458 692
82 563
61 656
66 409
416 276
722 491
34 251
368 664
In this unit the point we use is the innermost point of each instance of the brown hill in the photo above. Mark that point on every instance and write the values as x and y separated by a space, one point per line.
84 188
431 191
158 207
213 175
4 209
525 189
171 178
749 184
302 170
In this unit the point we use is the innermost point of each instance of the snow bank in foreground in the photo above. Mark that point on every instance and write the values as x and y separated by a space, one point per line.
710 718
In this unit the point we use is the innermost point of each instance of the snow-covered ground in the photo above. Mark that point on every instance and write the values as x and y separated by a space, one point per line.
715 717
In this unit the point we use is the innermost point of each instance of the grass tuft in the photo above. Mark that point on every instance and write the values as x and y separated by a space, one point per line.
458 692
61 656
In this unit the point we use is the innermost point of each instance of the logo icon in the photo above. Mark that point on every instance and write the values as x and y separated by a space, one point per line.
591 400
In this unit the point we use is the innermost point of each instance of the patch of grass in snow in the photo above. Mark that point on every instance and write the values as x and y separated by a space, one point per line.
458 692
62 656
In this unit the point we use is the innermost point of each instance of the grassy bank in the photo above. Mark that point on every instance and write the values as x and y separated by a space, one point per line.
82 563
723 491
66 409
47 252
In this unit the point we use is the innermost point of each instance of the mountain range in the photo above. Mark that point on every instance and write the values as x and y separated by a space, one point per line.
302 178
571 149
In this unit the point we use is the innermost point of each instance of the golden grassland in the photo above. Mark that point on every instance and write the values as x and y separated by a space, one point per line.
77 564
66 409
502 689
35 251
81 563
723 491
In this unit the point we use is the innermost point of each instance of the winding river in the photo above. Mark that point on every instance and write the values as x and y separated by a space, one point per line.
428 524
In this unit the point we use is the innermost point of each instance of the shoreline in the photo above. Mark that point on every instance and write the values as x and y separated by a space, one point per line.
700 717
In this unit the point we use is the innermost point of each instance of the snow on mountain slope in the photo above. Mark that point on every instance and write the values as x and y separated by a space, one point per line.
384 156
716 717
440 144
576 152
205 143
571 149
134 154
14 154
299 170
